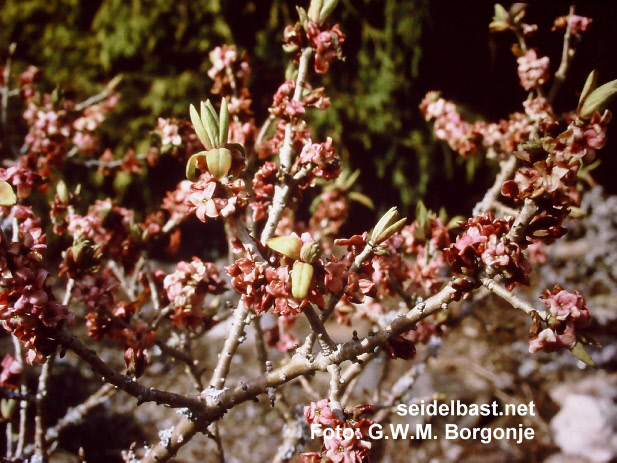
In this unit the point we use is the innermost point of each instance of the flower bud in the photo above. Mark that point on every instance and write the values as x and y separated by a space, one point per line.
219 162
289 246
309 252
7 408
62 192
7 195
301 277
387 226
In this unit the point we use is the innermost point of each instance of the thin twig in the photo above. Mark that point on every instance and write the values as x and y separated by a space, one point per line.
23 405
281 190
95 99
299 365
41 408
506 169
567 55
109 375
75 415
511 298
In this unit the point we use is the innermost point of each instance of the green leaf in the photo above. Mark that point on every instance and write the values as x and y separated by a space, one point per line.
580 353
7 195
590 85
191 166
200 130
326 9
224 123
361 198
210 122
598 100
501 14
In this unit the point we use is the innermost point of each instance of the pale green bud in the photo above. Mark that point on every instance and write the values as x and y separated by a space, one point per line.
301 277
7 195
387 226
309 252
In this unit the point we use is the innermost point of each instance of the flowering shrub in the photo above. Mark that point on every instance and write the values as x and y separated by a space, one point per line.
287 261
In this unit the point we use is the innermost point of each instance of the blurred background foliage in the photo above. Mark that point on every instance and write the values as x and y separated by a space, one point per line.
395 51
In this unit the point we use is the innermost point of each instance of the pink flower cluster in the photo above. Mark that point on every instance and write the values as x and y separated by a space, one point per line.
348 444
326 43
86 125
263 189
322 157
567 314
532 71
467 139
578 24
211 199
229 69
23 179
483 244
28 308
550 172
109 227
187 287
109 318
283 105
169 132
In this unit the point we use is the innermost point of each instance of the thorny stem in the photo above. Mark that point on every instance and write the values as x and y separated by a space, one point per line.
567 55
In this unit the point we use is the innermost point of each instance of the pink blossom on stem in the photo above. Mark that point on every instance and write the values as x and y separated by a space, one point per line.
532 71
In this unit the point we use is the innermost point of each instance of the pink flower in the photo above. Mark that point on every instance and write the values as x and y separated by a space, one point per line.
564 305
10 375
532 71
318 413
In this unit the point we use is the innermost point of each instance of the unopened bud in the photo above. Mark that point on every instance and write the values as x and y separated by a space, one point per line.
7 195
387 226
301 277
309 252
7 408
62 192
